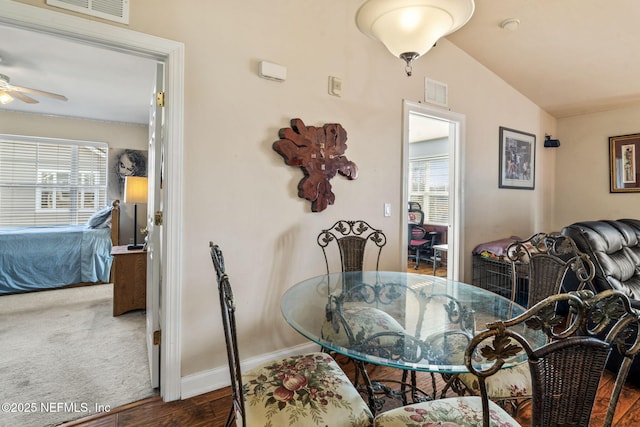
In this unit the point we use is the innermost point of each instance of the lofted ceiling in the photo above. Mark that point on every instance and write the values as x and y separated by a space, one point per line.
568 56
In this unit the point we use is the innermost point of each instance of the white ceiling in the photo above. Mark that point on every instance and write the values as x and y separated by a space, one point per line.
425 129
100 84
568 56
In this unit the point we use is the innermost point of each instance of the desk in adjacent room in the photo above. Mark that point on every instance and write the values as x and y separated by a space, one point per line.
437 254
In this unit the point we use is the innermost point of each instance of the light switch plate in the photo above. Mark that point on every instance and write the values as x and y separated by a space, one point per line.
387 209
335 86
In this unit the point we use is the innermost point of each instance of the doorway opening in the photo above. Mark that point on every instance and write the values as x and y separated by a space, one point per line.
171 53
431 183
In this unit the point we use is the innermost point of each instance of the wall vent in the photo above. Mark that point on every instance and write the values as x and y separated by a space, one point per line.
436 92
113 10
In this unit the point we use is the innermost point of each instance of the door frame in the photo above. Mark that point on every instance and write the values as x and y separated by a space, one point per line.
456 121
172 54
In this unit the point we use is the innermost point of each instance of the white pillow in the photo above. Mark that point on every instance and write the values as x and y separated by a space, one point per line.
101 218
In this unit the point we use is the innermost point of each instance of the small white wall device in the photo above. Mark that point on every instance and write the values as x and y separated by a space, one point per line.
271 71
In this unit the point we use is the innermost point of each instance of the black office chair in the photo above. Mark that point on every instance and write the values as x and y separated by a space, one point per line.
414 206
420 241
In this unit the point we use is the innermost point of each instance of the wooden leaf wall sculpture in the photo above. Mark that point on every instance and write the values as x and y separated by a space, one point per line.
319 152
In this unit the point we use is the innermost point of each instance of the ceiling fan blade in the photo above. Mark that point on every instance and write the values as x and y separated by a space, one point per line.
39 92
22 97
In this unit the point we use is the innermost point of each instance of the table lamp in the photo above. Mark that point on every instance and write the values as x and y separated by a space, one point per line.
135 191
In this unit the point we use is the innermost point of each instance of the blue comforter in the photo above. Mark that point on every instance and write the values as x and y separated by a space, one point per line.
34 258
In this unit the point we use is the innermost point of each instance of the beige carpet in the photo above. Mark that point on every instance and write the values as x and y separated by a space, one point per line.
64 356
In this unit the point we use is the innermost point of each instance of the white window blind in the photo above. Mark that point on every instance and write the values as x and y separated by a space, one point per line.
46 181
429 186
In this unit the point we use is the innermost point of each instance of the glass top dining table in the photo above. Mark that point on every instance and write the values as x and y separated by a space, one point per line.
397 319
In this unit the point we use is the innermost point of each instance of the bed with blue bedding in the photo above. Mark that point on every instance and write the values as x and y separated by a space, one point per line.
36 258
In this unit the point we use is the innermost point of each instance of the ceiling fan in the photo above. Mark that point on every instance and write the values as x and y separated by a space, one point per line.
8 92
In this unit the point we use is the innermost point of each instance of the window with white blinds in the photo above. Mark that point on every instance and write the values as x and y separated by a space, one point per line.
46 181
429 186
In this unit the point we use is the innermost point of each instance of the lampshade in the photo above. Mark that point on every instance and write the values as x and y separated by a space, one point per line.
135 189
409 28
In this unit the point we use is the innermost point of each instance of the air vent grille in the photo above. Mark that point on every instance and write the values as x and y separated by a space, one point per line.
436 92
113 10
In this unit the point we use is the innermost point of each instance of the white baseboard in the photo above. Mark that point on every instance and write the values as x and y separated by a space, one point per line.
217 378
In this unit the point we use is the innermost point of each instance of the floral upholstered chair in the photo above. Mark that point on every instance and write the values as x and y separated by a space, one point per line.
362 322
565 370
450 412
302 390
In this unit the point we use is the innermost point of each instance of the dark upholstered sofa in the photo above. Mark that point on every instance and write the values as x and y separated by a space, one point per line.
614 248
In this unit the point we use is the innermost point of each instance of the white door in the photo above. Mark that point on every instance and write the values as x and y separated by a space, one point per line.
155 247
455 123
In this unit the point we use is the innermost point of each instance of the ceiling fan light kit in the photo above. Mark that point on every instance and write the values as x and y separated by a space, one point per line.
9 92
5 98
409 28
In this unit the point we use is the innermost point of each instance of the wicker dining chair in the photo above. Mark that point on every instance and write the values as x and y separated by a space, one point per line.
565 372
549 257
351 238
303 390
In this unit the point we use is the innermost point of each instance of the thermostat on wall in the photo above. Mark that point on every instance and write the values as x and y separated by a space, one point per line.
271 71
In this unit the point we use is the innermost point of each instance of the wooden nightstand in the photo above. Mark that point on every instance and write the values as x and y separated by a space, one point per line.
129 278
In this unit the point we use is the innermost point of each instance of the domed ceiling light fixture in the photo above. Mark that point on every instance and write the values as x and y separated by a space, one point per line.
409 28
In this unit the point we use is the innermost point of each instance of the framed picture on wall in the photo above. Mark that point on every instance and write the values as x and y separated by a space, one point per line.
125 162
517 159
624 152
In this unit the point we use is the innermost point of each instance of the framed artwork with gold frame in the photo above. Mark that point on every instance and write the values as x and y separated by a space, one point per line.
624 163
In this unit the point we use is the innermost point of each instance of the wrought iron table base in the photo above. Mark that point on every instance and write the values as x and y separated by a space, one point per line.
377 391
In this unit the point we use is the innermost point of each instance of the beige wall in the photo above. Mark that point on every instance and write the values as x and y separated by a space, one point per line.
117 135
239 193
583 167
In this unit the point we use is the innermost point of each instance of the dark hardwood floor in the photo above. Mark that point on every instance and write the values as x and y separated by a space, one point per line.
211 409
